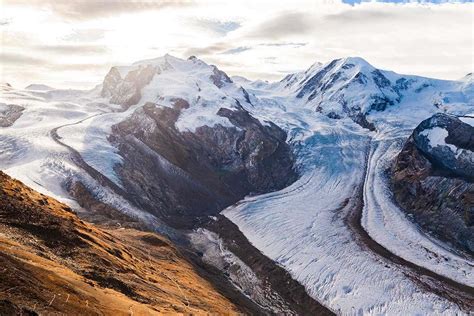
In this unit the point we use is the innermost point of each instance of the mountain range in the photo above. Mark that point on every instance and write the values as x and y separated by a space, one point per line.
303 196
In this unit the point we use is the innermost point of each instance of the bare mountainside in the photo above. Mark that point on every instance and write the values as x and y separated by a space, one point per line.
52 262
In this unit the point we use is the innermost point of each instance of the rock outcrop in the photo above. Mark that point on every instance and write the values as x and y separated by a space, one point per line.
9 113
433 179
188 175
127 91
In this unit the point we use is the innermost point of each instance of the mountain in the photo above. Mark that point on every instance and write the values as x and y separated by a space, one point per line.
53 262
305 194
351 87
439 158
192 128
38 87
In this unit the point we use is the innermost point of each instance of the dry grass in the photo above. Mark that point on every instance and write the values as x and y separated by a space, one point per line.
51 262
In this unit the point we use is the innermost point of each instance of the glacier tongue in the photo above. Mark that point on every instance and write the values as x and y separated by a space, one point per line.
303 227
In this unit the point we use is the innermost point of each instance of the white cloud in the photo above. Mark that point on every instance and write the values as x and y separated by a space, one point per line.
258 39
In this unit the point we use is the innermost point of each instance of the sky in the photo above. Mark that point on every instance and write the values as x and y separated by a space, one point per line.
73 43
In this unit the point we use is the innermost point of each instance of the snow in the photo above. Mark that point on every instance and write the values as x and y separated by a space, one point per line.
301 227
188 80
216 254
28 152
39 87
437 137
468 119
387 224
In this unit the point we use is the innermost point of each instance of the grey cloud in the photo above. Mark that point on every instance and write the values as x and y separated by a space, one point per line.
220 27
80 67
284 44
355 16
72 49
87 9
18 59
208 50
236 50
227 49
25 60
290 23
85 35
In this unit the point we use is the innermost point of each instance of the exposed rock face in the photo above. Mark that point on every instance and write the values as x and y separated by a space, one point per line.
9 113
458 158
434 183
127 91
187 175
219 78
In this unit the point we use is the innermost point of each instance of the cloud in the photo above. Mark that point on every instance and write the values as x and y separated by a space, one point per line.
72 49
283 25
216 26
291 44
353 2
359 16
19 59
249 38
225 48
208 50
236 50
89 9
85 35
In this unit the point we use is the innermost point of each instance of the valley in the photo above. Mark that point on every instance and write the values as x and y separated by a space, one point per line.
270 183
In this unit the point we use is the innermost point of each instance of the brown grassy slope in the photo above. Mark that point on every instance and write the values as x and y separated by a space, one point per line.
51 262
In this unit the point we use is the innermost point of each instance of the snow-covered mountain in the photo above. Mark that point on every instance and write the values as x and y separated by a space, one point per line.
351 87
165 79
173 142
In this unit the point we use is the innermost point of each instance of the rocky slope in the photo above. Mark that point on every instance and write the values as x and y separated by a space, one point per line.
212 167
9 113
196 136
52 262
433 179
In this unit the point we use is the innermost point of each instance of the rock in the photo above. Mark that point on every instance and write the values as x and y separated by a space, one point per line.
9 113
435 186
186 176
457 158
127 91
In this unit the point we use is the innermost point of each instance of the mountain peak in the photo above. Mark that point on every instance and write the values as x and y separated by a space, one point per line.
41 87
159 60
355 60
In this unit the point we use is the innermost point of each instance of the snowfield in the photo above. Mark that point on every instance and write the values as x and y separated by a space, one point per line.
302 227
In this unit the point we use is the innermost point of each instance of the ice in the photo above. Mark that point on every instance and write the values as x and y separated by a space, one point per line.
301 227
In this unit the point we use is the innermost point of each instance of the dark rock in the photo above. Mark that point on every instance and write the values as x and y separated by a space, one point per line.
10 114
435 187
460 135
186 176
380 80
219 78
127 91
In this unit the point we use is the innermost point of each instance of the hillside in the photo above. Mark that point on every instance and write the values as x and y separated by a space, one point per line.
52 262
